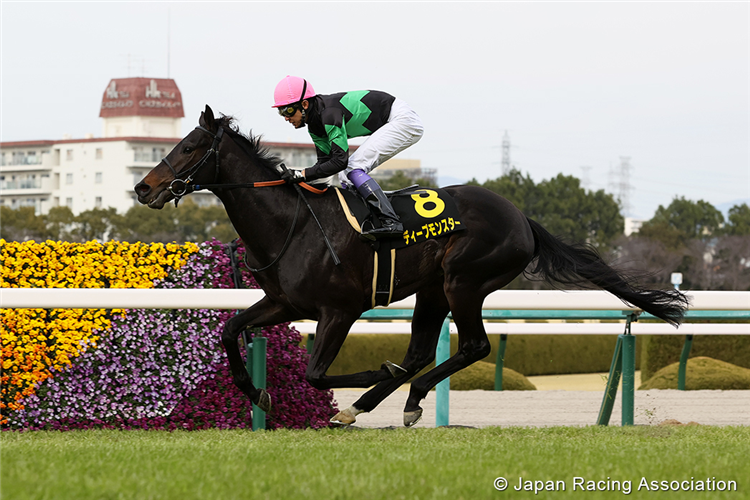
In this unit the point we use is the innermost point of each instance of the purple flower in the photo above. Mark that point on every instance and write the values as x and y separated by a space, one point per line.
166 369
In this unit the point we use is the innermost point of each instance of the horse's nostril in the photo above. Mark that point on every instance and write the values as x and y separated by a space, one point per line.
142 189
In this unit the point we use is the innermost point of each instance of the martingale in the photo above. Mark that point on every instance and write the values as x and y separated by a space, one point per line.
425 214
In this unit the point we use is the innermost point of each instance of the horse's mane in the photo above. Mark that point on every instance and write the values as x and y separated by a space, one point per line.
251 144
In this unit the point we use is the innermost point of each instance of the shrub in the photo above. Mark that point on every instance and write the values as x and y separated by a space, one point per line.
701 373
527 354
660 351
481 375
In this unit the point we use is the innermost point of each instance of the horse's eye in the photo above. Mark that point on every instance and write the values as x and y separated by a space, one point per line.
187 150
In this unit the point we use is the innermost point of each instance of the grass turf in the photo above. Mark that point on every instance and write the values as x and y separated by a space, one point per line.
451 463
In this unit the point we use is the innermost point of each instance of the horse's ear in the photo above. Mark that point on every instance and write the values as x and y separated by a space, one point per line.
207 119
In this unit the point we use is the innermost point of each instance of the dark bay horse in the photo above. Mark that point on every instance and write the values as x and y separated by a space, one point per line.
450 274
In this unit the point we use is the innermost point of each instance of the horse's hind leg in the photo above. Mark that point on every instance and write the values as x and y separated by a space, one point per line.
429 312
473 345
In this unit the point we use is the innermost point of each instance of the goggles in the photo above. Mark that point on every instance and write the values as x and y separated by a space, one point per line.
288 111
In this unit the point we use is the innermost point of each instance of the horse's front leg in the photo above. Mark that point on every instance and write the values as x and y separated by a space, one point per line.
333 327
263 313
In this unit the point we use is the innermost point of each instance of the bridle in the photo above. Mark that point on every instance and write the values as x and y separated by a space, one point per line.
182 185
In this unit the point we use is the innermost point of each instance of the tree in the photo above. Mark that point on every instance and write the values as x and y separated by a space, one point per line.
60 223
188 222
682 221
569 211
218 224
21 224
739 221
96 224
732 257
519 190
400 180
563 207
141 223
649 260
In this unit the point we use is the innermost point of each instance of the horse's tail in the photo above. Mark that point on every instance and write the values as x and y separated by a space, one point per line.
577 264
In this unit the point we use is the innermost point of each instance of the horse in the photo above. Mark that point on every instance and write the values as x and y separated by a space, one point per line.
304 278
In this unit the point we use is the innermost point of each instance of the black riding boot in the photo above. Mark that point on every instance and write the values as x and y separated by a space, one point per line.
375 197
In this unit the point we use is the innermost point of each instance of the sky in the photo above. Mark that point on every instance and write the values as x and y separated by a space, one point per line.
579 87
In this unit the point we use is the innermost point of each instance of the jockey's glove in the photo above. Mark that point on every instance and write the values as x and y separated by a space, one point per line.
293 176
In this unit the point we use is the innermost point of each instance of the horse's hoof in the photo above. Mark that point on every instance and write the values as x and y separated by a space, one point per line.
393 368
344 417
412 417
264 401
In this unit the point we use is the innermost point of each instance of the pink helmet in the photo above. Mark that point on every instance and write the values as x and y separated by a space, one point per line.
290 91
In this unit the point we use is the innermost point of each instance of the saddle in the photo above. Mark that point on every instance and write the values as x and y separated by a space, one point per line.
426 213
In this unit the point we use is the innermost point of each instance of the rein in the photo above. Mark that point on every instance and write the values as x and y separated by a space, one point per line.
180 187
286 243
308 187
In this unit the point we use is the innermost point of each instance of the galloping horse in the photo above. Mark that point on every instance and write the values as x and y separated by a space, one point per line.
302 280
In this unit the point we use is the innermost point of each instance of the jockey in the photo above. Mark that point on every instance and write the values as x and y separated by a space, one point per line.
390 123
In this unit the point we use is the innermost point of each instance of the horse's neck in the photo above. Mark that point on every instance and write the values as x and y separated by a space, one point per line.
260 215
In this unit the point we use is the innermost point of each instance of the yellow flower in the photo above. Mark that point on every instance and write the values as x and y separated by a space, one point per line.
36 340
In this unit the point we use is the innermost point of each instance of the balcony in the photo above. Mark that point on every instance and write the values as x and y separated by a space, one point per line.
148 156
22 160
25 187
24 184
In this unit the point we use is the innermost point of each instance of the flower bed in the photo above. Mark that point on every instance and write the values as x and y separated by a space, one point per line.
72 369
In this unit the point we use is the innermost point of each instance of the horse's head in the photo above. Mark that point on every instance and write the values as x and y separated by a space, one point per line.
189 162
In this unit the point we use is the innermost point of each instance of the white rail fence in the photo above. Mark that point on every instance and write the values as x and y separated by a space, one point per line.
182 298
521 300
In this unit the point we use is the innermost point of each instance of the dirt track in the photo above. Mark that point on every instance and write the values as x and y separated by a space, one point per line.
558 407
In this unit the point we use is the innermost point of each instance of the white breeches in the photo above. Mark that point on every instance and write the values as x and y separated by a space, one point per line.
404 128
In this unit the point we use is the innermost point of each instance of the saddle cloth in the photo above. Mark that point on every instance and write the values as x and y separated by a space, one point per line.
426 213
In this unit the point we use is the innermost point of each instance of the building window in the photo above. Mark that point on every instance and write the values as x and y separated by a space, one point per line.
98 178
69 203
68 178
69 155
99 153
98 202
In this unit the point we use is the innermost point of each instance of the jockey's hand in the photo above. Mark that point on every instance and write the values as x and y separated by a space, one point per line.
293 176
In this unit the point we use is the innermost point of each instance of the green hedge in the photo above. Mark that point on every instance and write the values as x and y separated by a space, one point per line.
663 350
526 354
701 373
481 376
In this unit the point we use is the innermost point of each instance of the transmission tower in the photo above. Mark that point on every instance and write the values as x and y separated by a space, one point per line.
506 154
586 178
619 182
